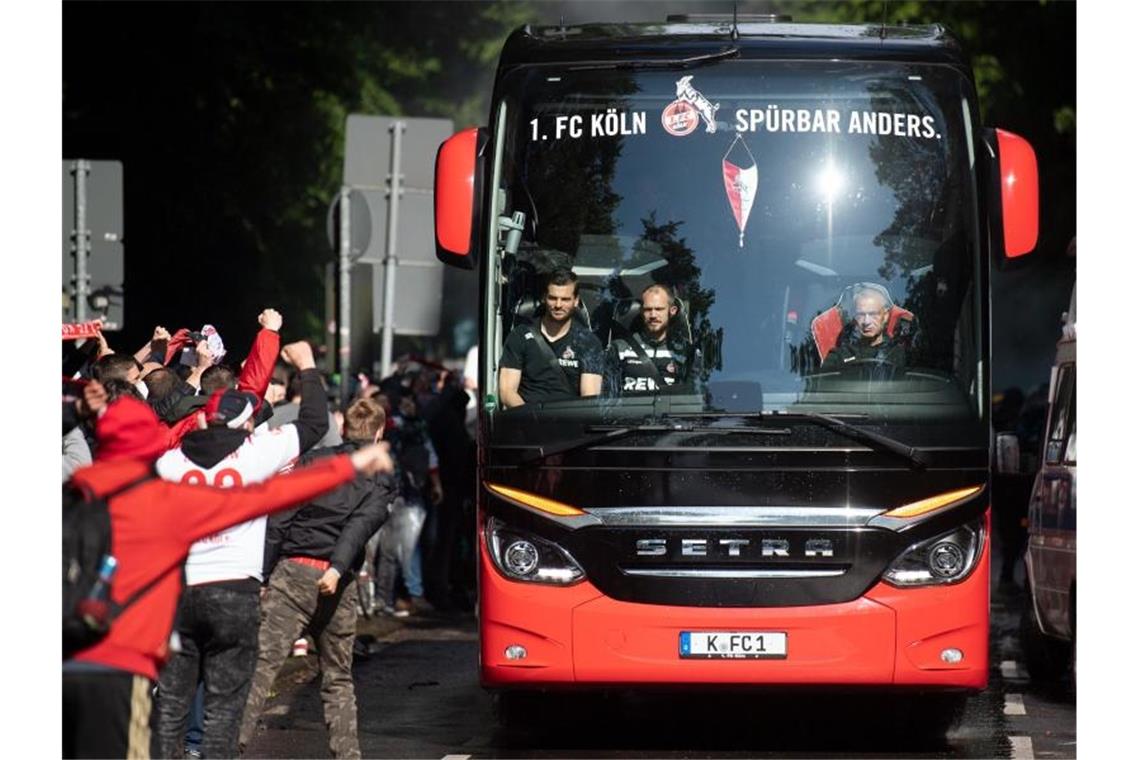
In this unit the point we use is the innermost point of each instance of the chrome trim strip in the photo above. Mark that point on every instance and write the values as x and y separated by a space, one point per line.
570 522
898 523
760 517
739 574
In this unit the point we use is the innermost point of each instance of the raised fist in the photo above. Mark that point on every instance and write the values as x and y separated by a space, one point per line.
160 333
270 319
202 351
372 459
274 393
104 346
299 354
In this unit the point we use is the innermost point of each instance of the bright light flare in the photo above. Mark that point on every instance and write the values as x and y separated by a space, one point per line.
830 182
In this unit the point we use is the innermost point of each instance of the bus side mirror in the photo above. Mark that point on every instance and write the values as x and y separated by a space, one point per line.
1013 194
458 191
1008 454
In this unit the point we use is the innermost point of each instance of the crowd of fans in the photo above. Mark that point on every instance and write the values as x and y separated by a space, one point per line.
240 591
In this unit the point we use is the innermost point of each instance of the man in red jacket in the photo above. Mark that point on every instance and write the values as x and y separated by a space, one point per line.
107 687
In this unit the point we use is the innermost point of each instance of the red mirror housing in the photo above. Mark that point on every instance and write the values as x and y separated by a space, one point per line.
458 189
1019 193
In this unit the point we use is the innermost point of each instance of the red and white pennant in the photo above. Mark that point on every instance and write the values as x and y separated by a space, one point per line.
741 178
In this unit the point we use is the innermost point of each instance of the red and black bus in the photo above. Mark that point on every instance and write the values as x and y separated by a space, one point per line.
776 518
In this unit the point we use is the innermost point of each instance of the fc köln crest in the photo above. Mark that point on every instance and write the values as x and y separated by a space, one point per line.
680 117
740 180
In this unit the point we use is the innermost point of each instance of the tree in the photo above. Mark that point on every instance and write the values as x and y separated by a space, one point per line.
229 118
1024 62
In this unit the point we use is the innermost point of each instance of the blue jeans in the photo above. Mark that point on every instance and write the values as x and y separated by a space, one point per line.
399 539
197 718
414 573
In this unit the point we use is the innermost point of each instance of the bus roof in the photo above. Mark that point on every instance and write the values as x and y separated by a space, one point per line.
630 44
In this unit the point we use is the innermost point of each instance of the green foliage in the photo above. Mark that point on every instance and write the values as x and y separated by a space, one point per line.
996 35
1065 120
1023 57
232 129
497 16
385 59
266 90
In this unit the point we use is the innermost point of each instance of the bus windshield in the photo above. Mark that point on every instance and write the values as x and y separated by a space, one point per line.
746 237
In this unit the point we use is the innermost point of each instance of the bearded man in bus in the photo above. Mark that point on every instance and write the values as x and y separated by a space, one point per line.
556 358
650 359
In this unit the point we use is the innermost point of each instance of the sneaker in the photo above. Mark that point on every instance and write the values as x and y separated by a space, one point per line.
300 647
390 611
192 752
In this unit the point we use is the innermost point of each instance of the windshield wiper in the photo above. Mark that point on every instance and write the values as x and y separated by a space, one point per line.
647 63
919 459
609 433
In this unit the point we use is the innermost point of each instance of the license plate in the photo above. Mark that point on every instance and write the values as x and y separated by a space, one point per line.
734 645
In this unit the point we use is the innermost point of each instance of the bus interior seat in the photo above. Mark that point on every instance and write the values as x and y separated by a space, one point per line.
681 323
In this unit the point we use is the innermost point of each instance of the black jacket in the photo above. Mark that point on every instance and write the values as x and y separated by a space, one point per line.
185 399
334 526
185 403
446 415
178 403
850 348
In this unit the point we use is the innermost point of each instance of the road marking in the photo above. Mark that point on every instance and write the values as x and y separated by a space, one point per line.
1011 669
1022 747
1014 704
457 757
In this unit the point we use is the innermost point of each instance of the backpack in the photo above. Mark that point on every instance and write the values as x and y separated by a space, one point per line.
86 541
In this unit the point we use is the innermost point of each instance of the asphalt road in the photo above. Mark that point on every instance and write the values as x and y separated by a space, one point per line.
418 697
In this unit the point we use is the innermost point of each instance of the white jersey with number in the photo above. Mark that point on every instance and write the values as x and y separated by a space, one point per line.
236 552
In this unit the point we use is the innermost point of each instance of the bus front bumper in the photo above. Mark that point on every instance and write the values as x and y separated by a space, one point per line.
889 637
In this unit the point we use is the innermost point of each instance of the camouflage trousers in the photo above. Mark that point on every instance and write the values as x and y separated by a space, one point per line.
292 606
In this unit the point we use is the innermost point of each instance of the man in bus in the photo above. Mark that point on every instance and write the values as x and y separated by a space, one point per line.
865 337
556 358
650 359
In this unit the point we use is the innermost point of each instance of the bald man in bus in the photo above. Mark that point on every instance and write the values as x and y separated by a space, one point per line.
652 360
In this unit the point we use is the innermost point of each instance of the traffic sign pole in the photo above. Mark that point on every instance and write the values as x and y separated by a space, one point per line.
82 238
344 348
389 166
92 241
395 189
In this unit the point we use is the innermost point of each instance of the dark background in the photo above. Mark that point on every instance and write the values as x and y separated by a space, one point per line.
229 121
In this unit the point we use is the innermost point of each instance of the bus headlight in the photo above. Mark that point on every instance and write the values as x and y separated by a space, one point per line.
523 556
947 558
